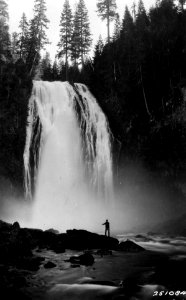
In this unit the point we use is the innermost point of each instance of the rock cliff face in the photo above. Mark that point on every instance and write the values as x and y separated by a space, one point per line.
15 90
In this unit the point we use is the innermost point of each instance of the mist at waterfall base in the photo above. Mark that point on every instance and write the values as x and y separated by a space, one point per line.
68 163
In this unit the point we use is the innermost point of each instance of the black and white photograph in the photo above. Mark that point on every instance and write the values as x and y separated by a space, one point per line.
93 149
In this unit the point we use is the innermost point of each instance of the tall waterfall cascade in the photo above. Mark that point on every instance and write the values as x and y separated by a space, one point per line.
67 157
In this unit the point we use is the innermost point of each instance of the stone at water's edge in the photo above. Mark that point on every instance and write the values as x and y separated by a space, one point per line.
85 259
103 252
16 244
130 246
82 239
49 265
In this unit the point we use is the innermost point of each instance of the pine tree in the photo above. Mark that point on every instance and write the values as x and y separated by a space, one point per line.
41 22
46 67
55 70
3 9
86 39
4 31
127 29
23 25
99 47
181 4
75 50
134 11
36 35
81 33
65 44
117 27
15 46
127 57
141 19
142 23
107 10
32 56
46 60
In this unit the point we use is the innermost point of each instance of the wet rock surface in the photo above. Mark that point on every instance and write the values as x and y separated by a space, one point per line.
17 245
33 265
103 252
82 239
130 246
85 259
49 265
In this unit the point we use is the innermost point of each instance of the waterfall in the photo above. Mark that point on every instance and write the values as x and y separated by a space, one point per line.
67 156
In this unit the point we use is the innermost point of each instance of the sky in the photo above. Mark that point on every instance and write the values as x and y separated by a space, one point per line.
54 9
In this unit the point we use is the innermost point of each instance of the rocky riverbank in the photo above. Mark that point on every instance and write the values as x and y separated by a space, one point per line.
17 244
78 264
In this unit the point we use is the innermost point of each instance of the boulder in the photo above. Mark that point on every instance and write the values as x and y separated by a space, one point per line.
57 247
4 226
17 243
82 239
49 265
85 259
130 246
52 230
103 252
29 263
16 226
143 238
75 266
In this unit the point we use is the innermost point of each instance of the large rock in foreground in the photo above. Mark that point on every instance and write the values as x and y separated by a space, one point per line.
85 259
17 243
82 239
130 246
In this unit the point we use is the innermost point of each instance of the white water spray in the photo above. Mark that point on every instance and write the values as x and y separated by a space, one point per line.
67 157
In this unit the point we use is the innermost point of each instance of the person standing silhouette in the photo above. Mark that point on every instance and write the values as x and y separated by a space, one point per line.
107 228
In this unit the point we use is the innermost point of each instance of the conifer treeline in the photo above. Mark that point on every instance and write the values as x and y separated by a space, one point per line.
15 89
137 77
27 44
138 80
75 37
74 44
20 62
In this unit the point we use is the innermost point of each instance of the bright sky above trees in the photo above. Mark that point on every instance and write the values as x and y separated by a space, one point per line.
54 8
